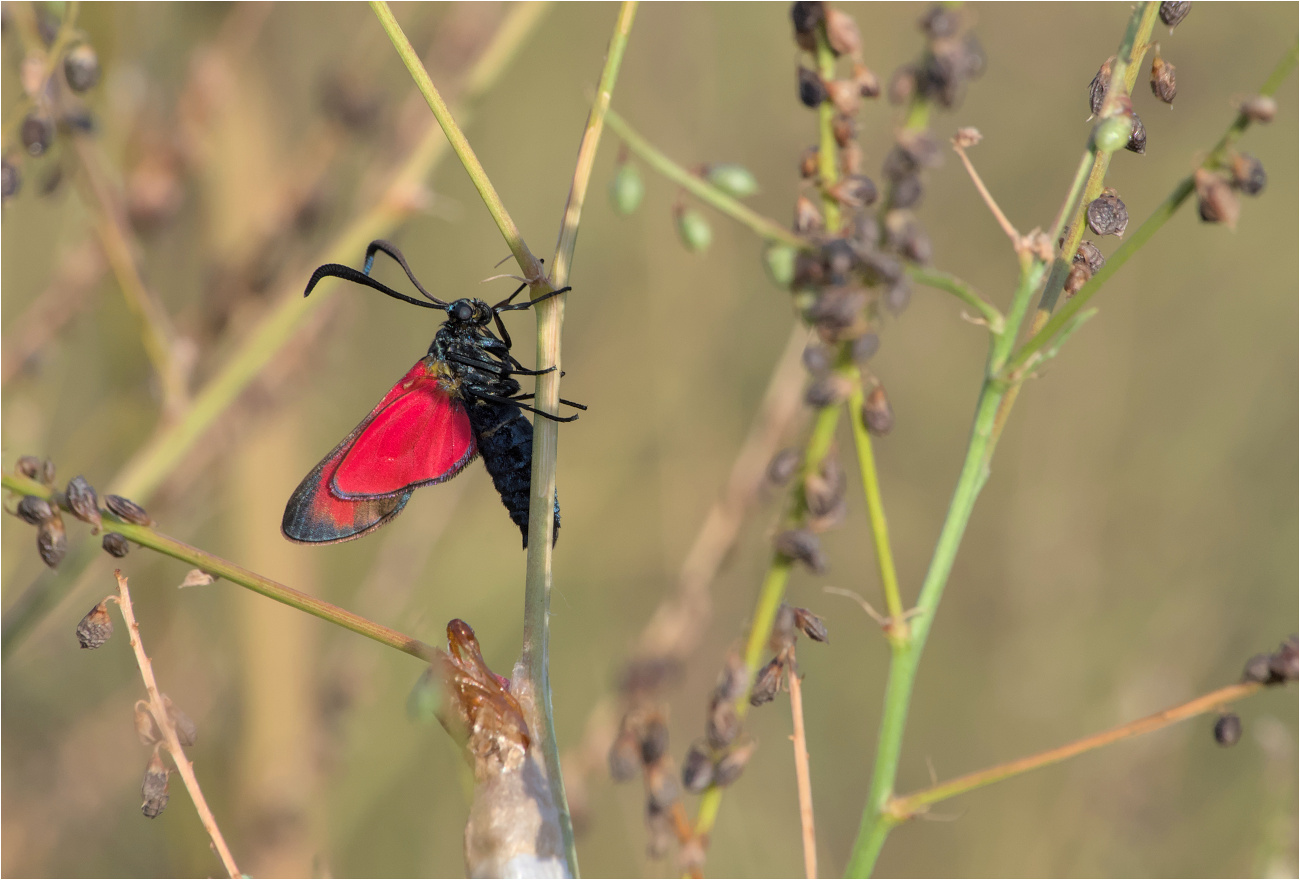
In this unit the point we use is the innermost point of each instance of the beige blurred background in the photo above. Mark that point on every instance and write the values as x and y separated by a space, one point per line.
1136 543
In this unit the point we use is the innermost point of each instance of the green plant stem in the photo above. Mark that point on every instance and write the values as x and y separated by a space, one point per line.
952 284
146 536
528 264
700 188
827 148
876 515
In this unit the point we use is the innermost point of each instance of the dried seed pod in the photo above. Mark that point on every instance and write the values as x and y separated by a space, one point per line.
1137 139
809 273
868 82
81 68
735 180
1091 255
1216 201
767 684
694 231
115 544
1248 174
824 490
146 726
662 835
154 788
809 163
1099 86
83 502
877 414
803 546
922 148
783 466
1107 214
842 32
855 192
34 510
902 85
907 191
840 259
1260 108
186 730
939 22
1227 730
625 756
661 786
654 740
905 235
1164 85
1257 668
697 769
733 679
864 347
817 359
783 635
52 540
46 475
846 98
806 216
780 260
844 128
811 625
1171 12
10 179
811 90
1079 275
805 16
723 724
37 133
732 764
881 268
626 189
1285 664
95 628
29 466
898 296
127 510
827 391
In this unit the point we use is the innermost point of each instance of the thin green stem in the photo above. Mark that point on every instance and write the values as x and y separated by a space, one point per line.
146 536
952 284
876 515
828 169
528 264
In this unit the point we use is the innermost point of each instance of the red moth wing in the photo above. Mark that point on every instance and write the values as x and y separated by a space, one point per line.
419 434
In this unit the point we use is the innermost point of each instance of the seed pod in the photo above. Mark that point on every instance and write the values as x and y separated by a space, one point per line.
52 540
1227 730
115 544
728 769
732 681
809 163
694 231
654 740
824 490
1284 665
154 788
902 85
881 268
1216 201
46 475
811 91
1099 86
1137 139
868 82
1260 108
10 179
1107 214
842 32
907 191
661 786
1248 174
783 466
806 216
34 510
83 502
844 128
1079 275
1257 668
626 189
803 546
855 192
697 769
1164 85
723 724
767 683
922 148
850 159
1171 12
95 628
864 347
1090 254
29 466
939 22
811 625
840 259
735 180
846 98
661 834
624 756
809 273
783 634
779 260
905 235
877 414
898 296
127 510
186 730
827 391
806 16
817 359
1113 133
146 726
81 68
37 133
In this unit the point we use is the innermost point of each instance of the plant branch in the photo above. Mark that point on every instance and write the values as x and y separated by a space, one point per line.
897 627
989 201
158 708
803 776
952 284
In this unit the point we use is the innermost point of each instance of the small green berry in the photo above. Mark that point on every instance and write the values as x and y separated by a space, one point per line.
779 260
1113 134
626 189
734 180
694 231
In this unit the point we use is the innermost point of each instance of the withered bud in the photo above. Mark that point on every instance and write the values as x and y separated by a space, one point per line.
842 32
898 296
1099 86
654 740
855 192
29 466
864 347
1079 275
1257 668
882 268
851 159
868 82
83 502
723 724
732 764
81 68
1216 201
840 257
1285 664
732 679
905 235
662 835
1260 108
186 730
146 726
95 628
811 90
52 540
824 490
783 466
921 147
116 544
1172 12
1248 174
805 16
645 675
1090 254
967 137
1163 83
844 128
37 133
1137 139
661 786
767 684
127 510
154 788
625 756
817 359
806 216
697 769
808 271
902 85
811 625
783 634
828 390
803 546
809 163
34 510
877 414
1227 730
1107 214
847 99
46 475
907 191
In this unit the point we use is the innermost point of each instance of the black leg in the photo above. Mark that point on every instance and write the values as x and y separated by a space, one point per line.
494 399
562 400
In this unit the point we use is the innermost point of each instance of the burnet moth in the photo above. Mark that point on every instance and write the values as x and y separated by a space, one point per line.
458 401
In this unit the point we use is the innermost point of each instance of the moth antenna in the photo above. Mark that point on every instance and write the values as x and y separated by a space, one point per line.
338 270
391 250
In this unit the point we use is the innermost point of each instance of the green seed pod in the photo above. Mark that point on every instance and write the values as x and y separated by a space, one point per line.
735 180
694 231
626 189
779 260
1113 134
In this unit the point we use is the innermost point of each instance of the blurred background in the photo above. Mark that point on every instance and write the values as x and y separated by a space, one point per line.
1135 544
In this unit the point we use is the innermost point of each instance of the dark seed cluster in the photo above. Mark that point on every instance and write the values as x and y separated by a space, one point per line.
78 498
1277 668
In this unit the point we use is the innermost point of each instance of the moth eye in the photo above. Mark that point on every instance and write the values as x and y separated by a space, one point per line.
464 312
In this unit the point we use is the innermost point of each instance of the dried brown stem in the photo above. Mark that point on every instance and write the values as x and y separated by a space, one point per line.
803 776
159 711
1009 229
